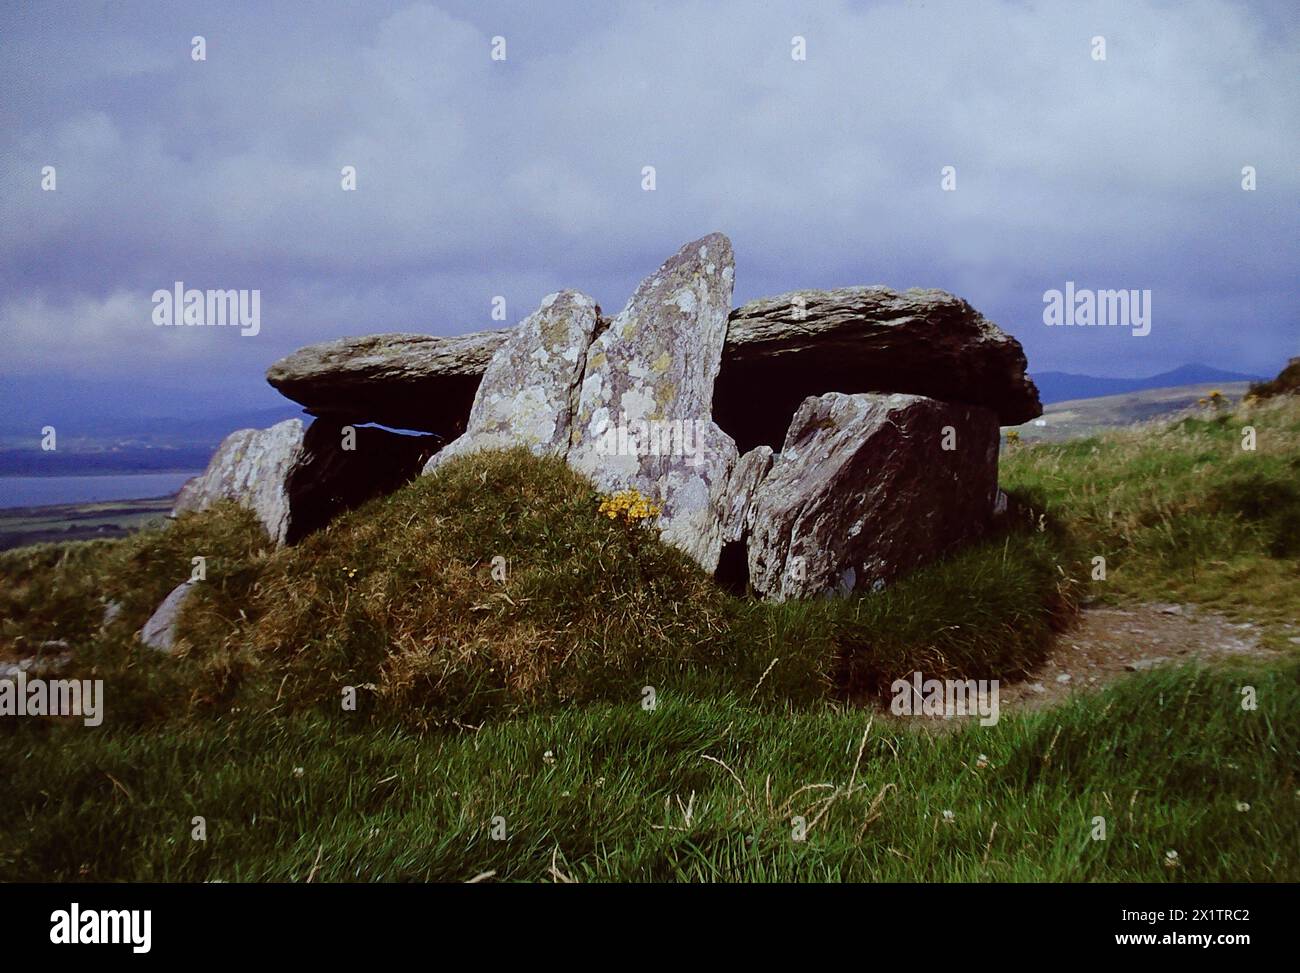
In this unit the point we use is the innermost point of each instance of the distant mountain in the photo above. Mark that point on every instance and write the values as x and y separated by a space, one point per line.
1064 386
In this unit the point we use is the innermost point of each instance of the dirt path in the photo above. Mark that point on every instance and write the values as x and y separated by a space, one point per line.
1111 643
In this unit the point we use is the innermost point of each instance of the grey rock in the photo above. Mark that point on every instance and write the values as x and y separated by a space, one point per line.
650 376
782 349
112 611
1000 503
738 508
52 657
777 351
250 467
530 389
160 631
405 381
863 491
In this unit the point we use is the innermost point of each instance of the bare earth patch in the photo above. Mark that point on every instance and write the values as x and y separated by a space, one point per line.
1110 643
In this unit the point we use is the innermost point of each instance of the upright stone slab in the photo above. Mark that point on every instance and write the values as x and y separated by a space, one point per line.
250 467
530 389
866 488
745 478
644 416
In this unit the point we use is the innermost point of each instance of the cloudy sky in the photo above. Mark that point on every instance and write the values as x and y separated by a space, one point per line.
478 178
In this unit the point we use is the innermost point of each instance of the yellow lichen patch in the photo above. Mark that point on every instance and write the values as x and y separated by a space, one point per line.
665 396
662 363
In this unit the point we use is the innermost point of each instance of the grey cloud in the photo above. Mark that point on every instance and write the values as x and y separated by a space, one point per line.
478 178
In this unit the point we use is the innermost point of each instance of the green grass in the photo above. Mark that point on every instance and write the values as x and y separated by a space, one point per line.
1183 512
467 683
1165 758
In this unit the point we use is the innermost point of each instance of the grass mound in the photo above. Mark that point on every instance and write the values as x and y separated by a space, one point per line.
495 587
61 591
492 585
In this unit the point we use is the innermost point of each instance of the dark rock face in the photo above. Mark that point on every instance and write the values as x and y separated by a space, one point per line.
329 479
780 350
405 381
864 490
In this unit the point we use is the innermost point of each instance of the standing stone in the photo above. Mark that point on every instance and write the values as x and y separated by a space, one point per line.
250 467
530 389
644 409
864 490
160 631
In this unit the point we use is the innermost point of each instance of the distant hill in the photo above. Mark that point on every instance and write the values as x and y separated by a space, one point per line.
1086 417
111 412
1067 387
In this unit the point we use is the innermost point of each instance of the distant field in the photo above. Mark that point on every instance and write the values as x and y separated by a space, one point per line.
20 526
1086 417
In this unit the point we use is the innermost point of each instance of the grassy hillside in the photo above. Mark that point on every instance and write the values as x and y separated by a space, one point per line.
523 707
1077 418
1183 512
